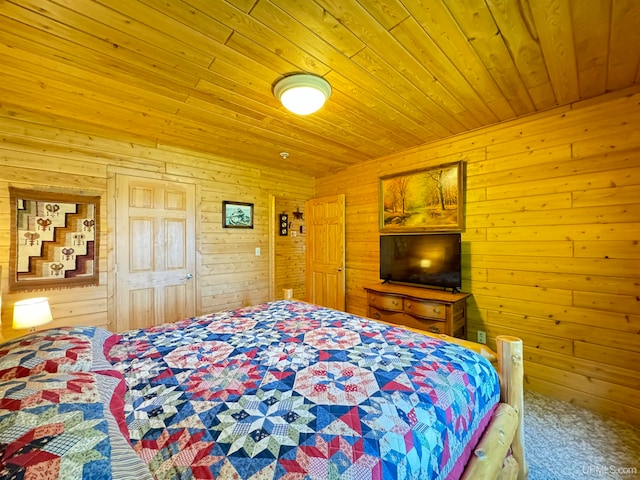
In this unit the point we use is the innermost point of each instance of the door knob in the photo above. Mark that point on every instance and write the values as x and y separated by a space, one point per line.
188 276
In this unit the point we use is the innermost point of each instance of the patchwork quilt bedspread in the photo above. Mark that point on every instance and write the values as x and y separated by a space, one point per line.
289 390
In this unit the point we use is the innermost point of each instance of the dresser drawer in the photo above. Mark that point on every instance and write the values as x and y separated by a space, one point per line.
387 316
402 319
432 311
425 308
386 302
427 326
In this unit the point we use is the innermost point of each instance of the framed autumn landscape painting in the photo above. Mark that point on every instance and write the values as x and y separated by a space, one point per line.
422 200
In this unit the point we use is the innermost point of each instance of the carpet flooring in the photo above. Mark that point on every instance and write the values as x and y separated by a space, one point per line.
566 442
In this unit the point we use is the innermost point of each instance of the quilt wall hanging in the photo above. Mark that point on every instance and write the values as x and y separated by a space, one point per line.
54 240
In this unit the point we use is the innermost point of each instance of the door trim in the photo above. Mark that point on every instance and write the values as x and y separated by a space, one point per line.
272 247
112 194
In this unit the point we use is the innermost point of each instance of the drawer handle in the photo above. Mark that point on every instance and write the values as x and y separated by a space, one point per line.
408 304
395 302
436 309
434 329
376 315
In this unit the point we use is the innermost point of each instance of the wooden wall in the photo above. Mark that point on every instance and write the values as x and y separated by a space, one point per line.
41 157
551 248
290 252
551 244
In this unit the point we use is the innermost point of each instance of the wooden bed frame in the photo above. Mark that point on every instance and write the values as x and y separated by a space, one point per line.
505 432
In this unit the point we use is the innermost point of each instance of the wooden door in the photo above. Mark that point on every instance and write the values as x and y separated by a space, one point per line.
155 252
325 252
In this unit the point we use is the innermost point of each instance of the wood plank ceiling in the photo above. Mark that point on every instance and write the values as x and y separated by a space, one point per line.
199 74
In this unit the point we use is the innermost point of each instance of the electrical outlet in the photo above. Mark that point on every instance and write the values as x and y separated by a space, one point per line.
482 337
257 251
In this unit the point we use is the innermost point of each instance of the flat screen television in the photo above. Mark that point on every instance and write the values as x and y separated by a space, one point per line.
425 260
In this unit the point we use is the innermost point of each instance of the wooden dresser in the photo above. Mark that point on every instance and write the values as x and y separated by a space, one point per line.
435 311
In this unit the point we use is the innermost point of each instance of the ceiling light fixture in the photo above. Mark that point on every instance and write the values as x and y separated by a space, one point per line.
302 93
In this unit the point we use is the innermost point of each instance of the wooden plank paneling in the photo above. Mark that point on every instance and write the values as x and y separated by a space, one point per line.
556 38
436 19
594 402
579 266
607 355
625 43
550 245
199 74
552 210
411 35
478 25
592 43
229 273
609 373
603 283
514 18
290 250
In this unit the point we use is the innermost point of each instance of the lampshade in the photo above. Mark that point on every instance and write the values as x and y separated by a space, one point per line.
302 93
31 313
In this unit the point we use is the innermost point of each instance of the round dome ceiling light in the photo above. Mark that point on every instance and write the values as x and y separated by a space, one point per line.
302 93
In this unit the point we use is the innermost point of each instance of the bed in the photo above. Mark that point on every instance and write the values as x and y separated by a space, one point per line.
282 390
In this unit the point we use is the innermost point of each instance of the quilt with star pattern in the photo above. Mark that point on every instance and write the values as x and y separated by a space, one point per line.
290 390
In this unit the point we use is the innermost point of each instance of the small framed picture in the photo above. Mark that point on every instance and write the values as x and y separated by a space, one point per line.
237 214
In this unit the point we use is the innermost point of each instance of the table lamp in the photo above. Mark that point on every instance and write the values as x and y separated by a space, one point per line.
1 337
31 313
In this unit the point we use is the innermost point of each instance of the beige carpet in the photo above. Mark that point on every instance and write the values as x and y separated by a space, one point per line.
566 442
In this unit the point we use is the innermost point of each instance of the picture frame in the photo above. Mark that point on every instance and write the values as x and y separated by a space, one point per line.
429 199
237 214
54 240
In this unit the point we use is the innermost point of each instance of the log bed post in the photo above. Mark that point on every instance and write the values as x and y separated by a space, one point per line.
511 373
505 431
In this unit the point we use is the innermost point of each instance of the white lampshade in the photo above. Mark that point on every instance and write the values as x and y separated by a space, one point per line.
302 93
31 313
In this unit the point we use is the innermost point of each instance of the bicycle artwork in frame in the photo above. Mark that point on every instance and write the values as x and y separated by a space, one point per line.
237 214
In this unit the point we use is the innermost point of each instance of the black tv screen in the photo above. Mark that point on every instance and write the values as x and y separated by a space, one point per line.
427 259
